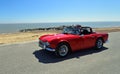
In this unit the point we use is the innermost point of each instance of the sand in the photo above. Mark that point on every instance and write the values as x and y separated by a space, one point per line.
34 35
23 36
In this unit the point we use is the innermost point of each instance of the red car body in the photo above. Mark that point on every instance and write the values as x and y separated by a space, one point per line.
75 41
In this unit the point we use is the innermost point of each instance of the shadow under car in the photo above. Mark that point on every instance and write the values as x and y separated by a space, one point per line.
50 57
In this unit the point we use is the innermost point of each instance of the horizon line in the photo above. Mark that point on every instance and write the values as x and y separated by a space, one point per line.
56 22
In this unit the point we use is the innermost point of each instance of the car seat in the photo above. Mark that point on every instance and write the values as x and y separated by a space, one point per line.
85 32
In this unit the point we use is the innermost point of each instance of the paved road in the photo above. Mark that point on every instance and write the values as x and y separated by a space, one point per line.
28 58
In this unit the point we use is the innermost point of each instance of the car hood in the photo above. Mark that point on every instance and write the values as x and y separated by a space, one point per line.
55 36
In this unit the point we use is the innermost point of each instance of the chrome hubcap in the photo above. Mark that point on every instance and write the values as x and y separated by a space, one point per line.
99 43
63 50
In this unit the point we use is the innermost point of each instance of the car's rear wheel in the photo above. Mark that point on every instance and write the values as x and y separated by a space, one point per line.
99 43
62 50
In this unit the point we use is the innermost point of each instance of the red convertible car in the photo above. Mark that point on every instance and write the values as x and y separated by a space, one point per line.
72 39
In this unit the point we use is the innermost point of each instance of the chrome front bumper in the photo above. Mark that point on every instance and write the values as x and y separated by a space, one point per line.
50 49
45 47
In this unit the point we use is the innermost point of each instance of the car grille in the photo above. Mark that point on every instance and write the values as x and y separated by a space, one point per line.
42 44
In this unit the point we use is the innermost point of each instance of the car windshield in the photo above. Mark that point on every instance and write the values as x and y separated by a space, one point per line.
71 30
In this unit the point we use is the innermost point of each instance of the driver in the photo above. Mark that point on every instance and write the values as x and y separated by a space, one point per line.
78 27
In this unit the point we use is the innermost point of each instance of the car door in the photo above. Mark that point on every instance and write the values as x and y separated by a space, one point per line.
80 42
88 40
77 43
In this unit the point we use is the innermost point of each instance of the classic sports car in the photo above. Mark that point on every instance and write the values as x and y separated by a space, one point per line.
72 39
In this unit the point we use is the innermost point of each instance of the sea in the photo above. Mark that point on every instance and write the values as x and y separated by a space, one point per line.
13 28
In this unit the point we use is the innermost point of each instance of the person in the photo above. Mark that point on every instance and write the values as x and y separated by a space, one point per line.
78 27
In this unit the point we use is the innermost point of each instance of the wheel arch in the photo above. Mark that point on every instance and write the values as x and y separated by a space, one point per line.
101 39
65 42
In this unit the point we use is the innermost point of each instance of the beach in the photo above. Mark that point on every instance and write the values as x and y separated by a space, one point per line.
10 38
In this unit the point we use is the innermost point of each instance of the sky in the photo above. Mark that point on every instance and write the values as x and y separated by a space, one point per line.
37 11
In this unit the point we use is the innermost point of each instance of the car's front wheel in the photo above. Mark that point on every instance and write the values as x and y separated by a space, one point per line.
99 43
62 50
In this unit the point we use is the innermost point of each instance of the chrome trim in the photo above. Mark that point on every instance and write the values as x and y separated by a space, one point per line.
44 46
50 49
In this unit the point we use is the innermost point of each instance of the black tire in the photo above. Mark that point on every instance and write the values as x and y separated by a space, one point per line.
62 50
99 43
